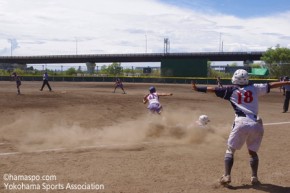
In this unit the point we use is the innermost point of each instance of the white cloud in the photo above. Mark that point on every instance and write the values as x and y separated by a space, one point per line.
124 26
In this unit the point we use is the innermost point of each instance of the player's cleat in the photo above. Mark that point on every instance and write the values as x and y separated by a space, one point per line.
225 180
254 180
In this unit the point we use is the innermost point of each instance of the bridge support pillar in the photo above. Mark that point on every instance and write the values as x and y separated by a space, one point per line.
248 62
91 67
21 66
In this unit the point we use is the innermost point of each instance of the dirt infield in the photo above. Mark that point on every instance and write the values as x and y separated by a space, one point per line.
83 136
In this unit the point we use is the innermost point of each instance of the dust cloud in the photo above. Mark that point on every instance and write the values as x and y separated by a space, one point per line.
34 132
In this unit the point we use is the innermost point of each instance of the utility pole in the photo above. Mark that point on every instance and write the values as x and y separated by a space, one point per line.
145 43
166 45
11 48
220 42
76 46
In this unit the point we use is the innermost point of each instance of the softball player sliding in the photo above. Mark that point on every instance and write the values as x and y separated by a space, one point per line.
203 120
247 127
153 99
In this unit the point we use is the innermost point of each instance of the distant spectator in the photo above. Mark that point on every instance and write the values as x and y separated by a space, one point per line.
287 95
281 87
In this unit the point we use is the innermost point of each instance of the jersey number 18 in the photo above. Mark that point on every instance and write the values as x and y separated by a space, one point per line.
248 96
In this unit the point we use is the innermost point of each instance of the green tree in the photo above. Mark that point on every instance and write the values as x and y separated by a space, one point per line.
234 64
155 72
256 65
71 71
4 72
19 71
278 61
214 73
115 68
128 70
103 70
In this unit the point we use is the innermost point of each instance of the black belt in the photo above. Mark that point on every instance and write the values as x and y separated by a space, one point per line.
243 115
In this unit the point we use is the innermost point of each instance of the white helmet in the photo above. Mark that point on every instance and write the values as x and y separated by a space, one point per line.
203 120
240 77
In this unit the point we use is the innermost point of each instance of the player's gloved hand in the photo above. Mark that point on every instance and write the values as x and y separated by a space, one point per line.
259 120
193 85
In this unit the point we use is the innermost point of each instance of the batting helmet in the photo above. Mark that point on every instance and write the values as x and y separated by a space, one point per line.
240 77
152 89
203 119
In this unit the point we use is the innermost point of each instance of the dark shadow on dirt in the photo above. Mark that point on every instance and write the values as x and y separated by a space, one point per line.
270 188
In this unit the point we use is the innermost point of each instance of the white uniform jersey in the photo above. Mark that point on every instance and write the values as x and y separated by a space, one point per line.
45 76
153 98
244 99
154 105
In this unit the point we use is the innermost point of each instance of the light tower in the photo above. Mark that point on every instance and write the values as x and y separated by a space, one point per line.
166 45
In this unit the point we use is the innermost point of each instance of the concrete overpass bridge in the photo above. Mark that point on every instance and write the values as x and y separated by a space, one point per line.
145 57
172 64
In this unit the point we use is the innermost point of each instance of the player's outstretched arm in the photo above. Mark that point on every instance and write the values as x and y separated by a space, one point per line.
165 94
145 100
278 84
202 88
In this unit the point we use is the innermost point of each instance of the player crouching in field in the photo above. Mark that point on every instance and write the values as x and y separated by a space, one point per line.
247 127
119 84
153 99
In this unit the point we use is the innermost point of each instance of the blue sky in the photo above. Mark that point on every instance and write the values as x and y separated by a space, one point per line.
57 27
238 8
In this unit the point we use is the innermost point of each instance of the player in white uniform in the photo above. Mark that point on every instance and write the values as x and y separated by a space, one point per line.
153 99
203 120
247 127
